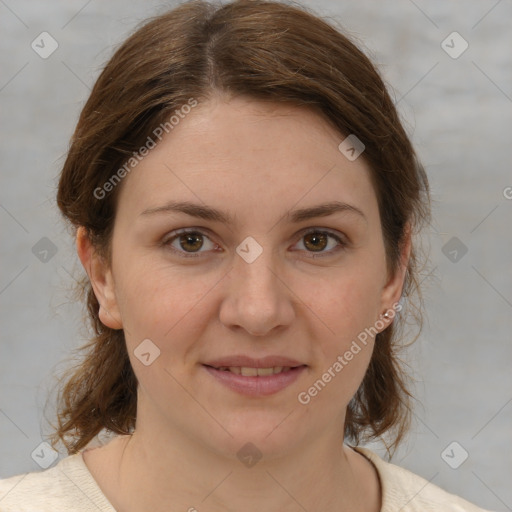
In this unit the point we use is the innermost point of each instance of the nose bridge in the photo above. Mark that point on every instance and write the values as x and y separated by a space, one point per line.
256 300
255 271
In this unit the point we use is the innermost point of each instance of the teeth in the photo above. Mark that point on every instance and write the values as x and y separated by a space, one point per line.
253 372
249 372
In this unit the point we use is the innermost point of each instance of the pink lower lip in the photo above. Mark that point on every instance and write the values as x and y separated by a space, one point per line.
256 386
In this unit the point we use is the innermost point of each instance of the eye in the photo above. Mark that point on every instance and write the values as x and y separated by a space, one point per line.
316 240
188 242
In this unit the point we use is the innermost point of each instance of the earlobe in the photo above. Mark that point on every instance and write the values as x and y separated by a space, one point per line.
100 276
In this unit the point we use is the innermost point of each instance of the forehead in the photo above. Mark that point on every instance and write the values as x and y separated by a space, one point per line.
246 154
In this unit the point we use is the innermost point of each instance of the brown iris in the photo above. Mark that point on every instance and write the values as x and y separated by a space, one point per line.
316 241
194 239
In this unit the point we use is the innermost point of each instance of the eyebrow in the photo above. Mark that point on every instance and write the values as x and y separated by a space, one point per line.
212 214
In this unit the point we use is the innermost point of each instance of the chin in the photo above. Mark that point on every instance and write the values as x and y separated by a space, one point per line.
266 432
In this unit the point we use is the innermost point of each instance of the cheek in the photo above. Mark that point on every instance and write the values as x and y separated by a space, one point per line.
342 303
331 389
343 342
342 310
168 307
160 301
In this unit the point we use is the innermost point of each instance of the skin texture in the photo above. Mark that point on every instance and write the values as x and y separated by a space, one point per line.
257 162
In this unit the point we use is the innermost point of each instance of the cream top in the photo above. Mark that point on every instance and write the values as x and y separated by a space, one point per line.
69 485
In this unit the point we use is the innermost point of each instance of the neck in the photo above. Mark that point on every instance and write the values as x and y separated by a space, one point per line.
179 471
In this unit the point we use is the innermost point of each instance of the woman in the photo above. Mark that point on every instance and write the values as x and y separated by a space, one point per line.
245 202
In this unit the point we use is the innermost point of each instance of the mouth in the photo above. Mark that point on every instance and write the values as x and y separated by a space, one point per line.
255 382
255 372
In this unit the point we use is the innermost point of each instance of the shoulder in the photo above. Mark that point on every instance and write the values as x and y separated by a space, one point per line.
405 491
66 486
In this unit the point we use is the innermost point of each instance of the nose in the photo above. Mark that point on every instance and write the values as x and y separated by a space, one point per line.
258 299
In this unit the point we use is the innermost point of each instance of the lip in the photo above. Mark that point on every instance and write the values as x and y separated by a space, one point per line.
256 386
251 362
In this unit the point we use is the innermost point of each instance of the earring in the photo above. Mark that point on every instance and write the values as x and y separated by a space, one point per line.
386 315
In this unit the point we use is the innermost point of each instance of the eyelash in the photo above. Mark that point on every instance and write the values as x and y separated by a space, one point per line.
167 242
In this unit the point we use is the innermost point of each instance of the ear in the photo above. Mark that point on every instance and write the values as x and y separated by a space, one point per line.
392 290
101 279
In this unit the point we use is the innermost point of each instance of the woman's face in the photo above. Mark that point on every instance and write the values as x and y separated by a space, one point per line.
277 280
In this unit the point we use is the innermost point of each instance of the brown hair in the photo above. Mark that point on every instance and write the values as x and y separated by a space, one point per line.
269 51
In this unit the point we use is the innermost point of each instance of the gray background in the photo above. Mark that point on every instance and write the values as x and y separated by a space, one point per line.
458 111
